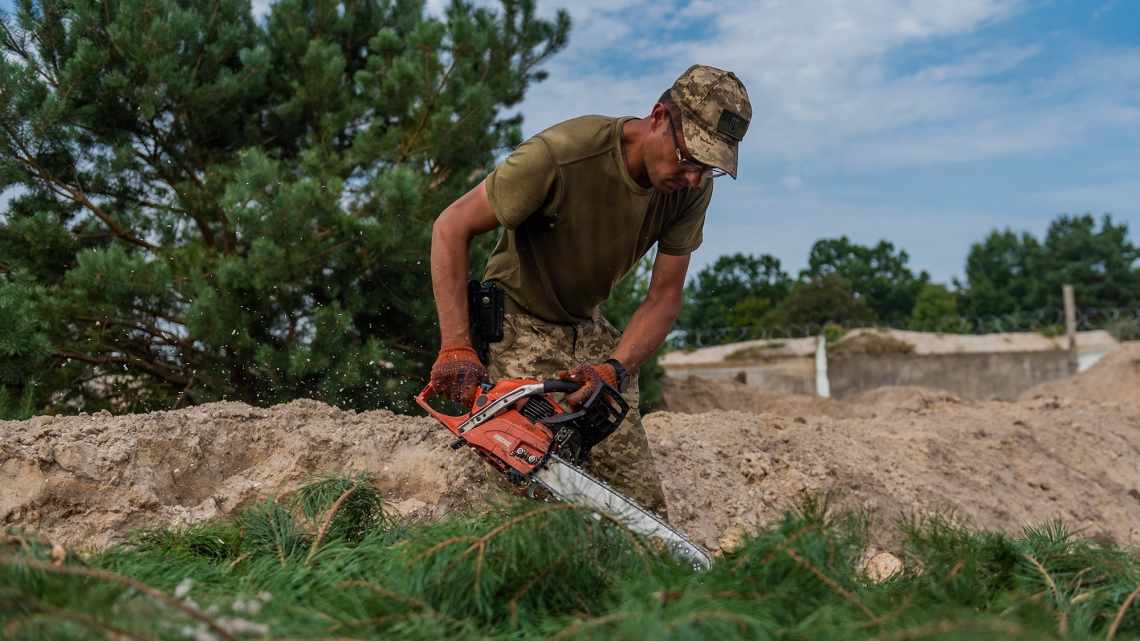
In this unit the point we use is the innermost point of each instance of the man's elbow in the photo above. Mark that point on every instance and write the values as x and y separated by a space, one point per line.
445 231
668 301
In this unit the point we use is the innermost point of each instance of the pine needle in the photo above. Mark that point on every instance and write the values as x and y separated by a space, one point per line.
111 577
108 630
1120 615
583 624
328 520
838 589
946 627
384 592
1048 578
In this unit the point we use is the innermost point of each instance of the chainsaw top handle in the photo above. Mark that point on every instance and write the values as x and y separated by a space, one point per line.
559 385
548 386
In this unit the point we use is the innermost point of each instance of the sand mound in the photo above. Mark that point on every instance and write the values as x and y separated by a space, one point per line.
88 480
1114 379
904 397
871 342
693 395
998 465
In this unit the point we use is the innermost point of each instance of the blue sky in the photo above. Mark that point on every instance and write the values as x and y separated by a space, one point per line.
927 123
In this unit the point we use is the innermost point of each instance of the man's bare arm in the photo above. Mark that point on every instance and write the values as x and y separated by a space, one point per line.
467 217
656 314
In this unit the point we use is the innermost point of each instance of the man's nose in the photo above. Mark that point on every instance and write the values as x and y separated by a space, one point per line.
693 177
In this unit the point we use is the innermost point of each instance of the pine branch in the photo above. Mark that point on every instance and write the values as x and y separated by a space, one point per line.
946 627
585 624
156 165
1120 615
328 521
161 371
125 581
150 330
384 592
81 198
408 145
110 631
830 583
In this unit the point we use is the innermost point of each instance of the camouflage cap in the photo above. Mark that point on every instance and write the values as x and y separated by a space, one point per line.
714 114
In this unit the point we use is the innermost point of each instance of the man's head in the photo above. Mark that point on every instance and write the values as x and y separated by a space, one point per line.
698 124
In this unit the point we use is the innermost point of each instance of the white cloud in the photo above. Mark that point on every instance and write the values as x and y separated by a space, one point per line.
822 86
835 96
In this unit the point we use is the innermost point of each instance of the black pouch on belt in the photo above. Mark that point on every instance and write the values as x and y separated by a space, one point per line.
485 304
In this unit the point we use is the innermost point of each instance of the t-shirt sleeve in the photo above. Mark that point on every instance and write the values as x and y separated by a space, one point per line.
683 234
527 182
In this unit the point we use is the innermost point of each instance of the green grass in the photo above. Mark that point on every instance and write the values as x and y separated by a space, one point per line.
332 563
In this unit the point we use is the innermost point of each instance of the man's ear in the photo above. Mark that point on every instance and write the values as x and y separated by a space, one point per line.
659 116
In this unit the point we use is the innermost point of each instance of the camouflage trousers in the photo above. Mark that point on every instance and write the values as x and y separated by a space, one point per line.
532 348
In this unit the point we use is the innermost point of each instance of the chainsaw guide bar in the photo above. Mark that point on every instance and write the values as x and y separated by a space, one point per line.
573 485
521 429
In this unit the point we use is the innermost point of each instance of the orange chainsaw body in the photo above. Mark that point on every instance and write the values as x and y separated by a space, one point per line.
506 438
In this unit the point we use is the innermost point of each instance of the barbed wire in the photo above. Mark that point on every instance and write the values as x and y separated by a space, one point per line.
1123 323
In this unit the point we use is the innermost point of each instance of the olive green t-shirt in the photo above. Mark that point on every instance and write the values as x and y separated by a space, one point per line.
576 222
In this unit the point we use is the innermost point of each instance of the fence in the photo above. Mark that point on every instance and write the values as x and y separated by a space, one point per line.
976 366
1123 324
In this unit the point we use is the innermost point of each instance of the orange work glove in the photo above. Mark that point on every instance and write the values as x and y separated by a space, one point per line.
590 376
457 373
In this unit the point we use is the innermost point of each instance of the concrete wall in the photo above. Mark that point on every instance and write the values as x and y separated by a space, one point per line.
1003 375
792 375
977 376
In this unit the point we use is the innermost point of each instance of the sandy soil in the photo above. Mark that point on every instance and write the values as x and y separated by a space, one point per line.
1114 379
737 458
693 395
88 480
997 465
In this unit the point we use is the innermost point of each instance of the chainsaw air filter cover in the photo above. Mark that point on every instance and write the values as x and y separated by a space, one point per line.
576 433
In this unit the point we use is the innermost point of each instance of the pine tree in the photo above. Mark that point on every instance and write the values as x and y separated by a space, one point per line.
206 205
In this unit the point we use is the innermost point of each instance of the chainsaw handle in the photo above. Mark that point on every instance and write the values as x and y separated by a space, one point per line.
559 385
452 422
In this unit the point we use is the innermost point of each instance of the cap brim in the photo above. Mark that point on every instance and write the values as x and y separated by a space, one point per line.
707 147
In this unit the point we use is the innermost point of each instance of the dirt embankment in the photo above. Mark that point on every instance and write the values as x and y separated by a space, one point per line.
736 459
1114 379
997 465
88 480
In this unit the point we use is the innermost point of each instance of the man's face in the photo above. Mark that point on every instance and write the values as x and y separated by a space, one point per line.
668 162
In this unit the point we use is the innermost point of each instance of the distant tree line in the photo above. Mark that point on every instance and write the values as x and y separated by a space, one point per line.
1007 274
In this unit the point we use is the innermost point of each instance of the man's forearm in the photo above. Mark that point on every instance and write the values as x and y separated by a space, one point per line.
646 331
449 284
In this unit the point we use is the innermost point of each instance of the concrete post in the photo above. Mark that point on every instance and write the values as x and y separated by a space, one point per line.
1071 325
822 384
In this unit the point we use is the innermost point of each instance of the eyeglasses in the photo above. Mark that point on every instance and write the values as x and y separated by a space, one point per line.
691 164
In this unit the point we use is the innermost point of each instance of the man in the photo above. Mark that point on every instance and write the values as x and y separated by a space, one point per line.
581 203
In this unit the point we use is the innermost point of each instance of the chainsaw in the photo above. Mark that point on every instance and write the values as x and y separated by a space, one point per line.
521 428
